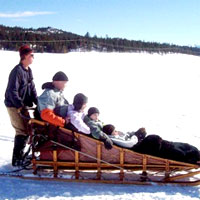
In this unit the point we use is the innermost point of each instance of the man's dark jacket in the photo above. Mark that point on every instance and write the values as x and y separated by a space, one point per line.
21 88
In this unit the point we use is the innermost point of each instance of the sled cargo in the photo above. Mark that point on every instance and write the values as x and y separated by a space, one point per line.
70 156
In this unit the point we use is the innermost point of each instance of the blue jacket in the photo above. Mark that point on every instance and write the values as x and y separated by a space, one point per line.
53 99
21 88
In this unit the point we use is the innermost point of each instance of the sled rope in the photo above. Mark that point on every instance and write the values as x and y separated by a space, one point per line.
59 144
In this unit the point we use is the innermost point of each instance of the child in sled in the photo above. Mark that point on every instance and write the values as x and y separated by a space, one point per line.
96 126
156 146
126 140
76 114
100 132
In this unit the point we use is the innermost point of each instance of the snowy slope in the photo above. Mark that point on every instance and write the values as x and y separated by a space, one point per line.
158 92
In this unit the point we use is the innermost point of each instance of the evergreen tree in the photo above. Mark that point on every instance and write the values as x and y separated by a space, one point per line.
44 40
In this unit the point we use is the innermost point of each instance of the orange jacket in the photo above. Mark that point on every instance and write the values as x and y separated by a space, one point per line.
49 116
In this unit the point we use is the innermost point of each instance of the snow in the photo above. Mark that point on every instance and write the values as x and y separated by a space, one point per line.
44 190
131 90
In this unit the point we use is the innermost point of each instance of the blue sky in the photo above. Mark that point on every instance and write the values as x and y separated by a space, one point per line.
170 21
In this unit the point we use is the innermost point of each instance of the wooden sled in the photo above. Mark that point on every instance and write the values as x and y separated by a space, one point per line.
63 159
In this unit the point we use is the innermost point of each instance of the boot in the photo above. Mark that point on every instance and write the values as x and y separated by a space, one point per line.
140 134
18 150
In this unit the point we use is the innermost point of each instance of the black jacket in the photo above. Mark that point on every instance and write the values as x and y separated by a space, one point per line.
21 88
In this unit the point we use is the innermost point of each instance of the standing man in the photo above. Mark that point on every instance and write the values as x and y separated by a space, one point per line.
20 93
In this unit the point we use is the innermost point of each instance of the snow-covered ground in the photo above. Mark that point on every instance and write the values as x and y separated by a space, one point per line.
132 90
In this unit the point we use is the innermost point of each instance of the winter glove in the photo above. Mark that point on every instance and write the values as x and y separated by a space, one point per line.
107 141
130 134
23 111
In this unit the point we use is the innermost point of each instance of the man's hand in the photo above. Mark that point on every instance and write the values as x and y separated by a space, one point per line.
23 111
19 110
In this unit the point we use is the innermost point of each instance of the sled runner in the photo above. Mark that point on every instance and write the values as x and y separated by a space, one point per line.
73 156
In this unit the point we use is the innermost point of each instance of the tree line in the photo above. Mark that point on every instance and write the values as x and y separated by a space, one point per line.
57 41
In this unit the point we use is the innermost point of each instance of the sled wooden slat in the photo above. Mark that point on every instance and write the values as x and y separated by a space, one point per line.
93 166
76 160
32 121
144 163
34 166
167 169
121 164
182 176
191 183
77 165
98 161
167 166
55 166
94 158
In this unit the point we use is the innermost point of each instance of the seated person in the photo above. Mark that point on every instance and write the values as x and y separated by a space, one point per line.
155 145
126 140
96 126
76 114
52 105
